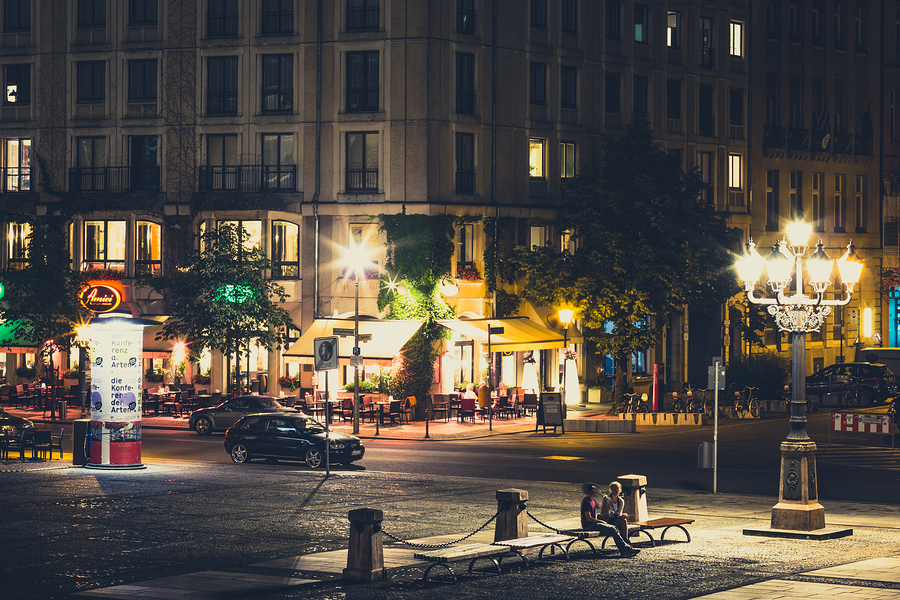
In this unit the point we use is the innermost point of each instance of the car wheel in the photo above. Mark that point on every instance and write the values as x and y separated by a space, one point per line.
203 426
240 454
314 458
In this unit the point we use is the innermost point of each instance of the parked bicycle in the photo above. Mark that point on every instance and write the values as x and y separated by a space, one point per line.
635 403
680 402
745 402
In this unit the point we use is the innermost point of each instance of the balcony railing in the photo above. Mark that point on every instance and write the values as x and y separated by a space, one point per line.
362 19
707 58
16 179
798 139
248 178
465 182
278 23
362 101
773 137
114 179
465 102
362 180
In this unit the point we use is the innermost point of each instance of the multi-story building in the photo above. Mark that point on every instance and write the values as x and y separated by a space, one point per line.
159 119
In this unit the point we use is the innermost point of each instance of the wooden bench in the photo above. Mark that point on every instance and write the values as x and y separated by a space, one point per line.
542 541
470 552
666 523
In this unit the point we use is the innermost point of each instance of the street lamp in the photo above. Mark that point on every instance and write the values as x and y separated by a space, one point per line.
798 507
82 340
357 259
565 317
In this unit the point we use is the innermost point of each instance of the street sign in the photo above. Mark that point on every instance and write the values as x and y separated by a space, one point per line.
711 377
326 353
356 351
495 330
356 361
365 337
343 332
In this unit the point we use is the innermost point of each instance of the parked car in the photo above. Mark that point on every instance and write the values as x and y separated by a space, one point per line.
11 425
877 383
289 436
218 418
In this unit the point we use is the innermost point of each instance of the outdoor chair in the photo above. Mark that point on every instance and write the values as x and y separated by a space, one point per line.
368 408
395 412
440 406
5 395
467 410
15 444
529 403
409 408
42 444
347 409
56 442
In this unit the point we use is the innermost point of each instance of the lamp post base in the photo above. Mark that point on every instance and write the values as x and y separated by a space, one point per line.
798 507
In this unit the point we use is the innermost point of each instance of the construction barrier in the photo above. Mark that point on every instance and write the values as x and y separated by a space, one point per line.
861 423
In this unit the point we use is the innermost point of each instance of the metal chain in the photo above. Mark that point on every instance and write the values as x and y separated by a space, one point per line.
444 545
542 524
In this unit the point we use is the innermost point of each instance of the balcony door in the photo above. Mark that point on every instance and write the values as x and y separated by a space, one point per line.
144 165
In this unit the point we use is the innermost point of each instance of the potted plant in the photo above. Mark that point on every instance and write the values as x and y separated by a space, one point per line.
288 382
154 375
26 372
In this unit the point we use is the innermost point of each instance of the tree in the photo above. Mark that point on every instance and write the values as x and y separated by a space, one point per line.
41 300
221 299
646 248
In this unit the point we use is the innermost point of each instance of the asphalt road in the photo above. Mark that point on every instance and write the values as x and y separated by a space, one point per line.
748 457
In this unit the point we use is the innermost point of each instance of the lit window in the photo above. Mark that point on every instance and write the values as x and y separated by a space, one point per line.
465 246
17 238
673 29
536 158
538 236
104 245
252 228
736 47
567 159
735 174
285 249
147 249
17 82
17 158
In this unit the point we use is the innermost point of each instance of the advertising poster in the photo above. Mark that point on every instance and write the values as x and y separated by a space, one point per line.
116 373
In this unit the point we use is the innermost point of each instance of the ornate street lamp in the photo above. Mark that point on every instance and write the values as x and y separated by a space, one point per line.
565 317
797 313
358 260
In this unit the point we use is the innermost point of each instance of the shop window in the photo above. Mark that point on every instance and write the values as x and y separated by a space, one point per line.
464 352
285 250
104 245
147 249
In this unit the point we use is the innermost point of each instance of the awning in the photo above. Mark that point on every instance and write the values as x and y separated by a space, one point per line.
519 333
154 348
387 339
13 345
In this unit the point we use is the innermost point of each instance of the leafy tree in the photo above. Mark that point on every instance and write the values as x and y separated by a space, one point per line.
41 300
222 298
646 247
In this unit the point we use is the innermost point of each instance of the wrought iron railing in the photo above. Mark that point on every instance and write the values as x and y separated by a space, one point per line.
248 178
114 179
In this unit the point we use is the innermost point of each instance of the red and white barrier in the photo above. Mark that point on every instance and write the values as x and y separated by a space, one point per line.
861 423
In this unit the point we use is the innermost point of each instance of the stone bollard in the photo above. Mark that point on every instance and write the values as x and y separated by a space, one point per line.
365 558
634 488
512 522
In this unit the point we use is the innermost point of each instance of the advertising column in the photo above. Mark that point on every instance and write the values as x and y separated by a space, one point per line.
115 395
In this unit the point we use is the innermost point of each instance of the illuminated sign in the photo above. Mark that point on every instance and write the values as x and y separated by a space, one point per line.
100 298
236 294
116 375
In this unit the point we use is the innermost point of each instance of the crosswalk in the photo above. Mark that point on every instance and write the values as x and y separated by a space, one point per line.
859 456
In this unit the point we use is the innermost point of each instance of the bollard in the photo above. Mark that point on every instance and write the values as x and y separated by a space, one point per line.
365 558
512 522
634 488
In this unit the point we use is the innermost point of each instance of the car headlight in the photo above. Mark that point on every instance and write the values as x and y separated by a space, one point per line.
337 446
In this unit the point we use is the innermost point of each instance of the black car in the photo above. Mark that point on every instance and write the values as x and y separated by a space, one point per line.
12 426
290 436
223 416
877 383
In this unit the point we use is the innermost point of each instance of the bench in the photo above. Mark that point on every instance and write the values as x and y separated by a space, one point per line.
542 541
470 552
666 523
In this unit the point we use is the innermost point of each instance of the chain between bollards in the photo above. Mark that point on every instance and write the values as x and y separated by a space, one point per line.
444 545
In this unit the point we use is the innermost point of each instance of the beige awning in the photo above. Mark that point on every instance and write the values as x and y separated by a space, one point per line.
519 333
387 339
154 348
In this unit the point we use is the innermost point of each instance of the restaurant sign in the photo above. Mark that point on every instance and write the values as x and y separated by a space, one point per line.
100 298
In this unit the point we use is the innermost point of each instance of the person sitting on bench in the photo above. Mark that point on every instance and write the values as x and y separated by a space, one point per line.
590 522
611 509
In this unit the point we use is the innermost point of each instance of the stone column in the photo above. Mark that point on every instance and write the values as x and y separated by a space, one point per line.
798 505
365 558
634 489
512 521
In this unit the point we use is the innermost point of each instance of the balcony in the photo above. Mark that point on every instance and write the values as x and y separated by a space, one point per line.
362 19
773 137
248 178
114 179
798 139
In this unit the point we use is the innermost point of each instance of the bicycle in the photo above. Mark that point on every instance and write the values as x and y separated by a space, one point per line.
633 404
680 403
617 406
745 403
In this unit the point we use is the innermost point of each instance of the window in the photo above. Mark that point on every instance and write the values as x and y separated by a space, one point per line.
539 14
736 112
795 23
465 16
772 20
464 352
567 241
796 194
16 16
673 98
567 160
279 169
838 26
277 17
17 161
840 206
772 94
861 204
613 19
641 23
17 83
860 28
771 200
104 245
362 162
17 242
363 15
736 44
91 160
142 80
142 12
362 81
892 114
147 249
735 172
673 29
222 86
705 166
277 83
613 92
144 162
285 250
252 229
465 246
537 236
465 163
538 92
817 19
570 16
222 172
706 120
536 158
91 14
568 84
91 87
641 94
707 54
465 83
222 18
795 103
818 202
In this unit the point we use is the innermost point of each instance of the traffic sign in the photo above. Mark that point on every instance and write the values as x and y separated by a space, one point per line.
495 330
326 353
342 332
356 361
356 351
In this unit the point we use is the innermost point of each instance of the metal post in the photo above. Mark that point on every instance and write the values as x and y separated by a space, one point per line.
716 429
565 358
798 387
356 367
490 405
327 428
82 378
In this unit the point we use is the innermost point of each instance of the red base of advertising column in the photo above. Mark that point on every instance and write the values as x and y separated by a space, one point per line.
115 445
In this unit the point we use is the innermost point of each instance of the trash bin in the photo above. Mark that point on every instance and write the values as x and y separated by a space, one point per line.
80 450
705 455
